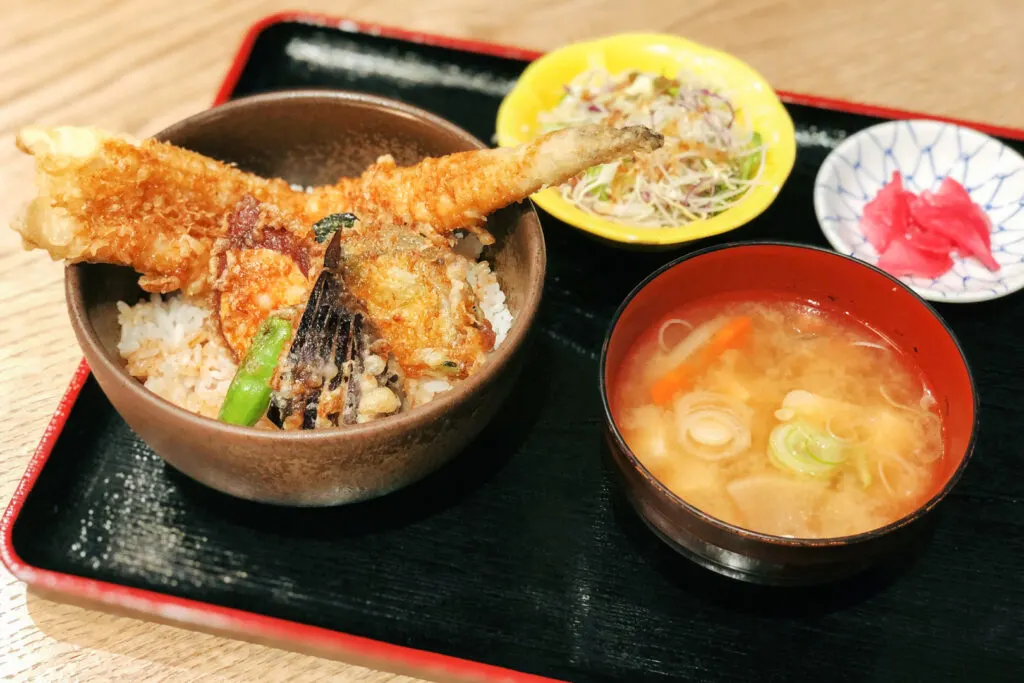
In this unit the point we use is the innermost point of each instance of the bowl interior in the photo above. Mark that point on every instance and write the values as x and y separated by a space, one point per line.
825 278
310 138
541 86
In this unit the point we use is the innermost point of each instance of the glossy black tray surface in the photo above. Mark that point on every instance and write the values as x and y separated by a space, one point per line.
521 553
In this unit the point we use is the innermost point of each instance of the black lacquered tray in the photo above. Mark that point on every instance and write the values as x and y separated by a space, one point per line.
521 558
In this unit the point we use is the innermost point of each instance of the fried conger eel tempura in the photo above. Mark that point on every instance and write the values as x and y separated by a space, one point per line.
159 209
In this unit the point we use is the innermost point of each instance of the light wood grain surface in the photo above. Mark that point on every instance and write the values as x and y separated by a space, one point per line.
138 66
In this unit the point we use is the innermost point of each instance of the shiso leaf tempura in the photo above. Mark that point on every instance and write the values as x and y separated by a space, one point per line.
708 163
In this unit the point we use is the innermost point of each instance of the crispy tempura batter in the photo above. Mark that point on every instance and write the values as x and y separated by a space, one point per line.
460 190
263 265
159 208
415 290
418 295
187 222
104 198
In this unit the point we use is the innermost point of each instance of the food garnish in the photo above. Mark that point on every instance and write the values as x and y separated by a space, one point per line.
328 225
919 234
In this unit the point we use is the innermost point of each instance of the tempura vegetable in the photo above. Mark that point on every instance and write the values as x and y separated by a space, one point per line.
249 394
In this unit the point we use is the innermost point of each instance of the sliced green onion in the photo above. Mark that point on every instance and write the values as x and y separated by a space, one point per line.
713 433
824 448
804 449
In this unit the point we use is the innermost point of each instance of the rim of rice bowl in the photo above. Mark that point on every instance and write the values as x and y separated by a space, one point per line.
509 330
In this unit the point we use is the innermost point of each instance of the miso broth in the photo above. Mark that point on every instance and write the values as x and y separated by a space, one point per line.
780 417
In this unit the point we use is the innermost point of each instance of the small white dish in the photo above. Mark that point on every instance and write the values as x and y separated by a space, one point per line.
925 152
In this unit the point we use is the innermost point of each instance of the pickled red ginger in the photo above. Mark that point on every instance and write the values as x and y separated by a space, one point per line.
919 234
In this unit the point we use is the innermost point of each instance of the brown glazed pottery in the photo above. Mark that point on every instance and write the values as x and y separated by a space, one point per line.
813 275
310 138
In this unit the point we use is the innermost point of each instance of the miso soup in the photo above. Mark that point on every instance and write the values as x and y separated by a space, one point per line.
780 417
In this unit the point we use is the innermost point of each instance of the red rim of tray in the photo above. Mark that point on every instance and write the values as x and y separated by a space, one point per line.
271 630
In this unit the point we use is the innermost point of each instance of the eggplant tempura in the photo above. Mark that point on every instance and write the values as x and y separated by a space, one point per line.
401 308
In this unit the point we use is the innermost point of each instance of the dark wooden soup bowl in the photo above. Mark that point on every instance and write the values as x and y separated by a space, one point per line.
814 275
309 138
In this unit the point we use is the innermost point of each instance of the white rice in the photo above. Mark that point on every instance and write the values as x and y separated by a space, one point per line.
173 344
420 391
492 300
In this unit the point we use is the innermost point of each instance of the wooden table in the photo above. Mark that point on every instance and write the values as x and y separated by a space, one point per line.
139 66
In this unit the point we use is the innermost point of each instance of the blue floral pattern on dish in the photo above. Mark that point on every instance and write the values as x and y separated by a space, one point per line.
925 152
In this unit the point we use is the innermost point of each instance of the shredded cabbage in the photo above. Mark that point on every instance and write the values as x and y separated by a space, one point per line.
708 162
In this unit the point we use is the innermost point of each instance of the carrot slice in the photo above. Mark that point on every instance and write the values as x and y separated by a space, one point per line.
732 335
